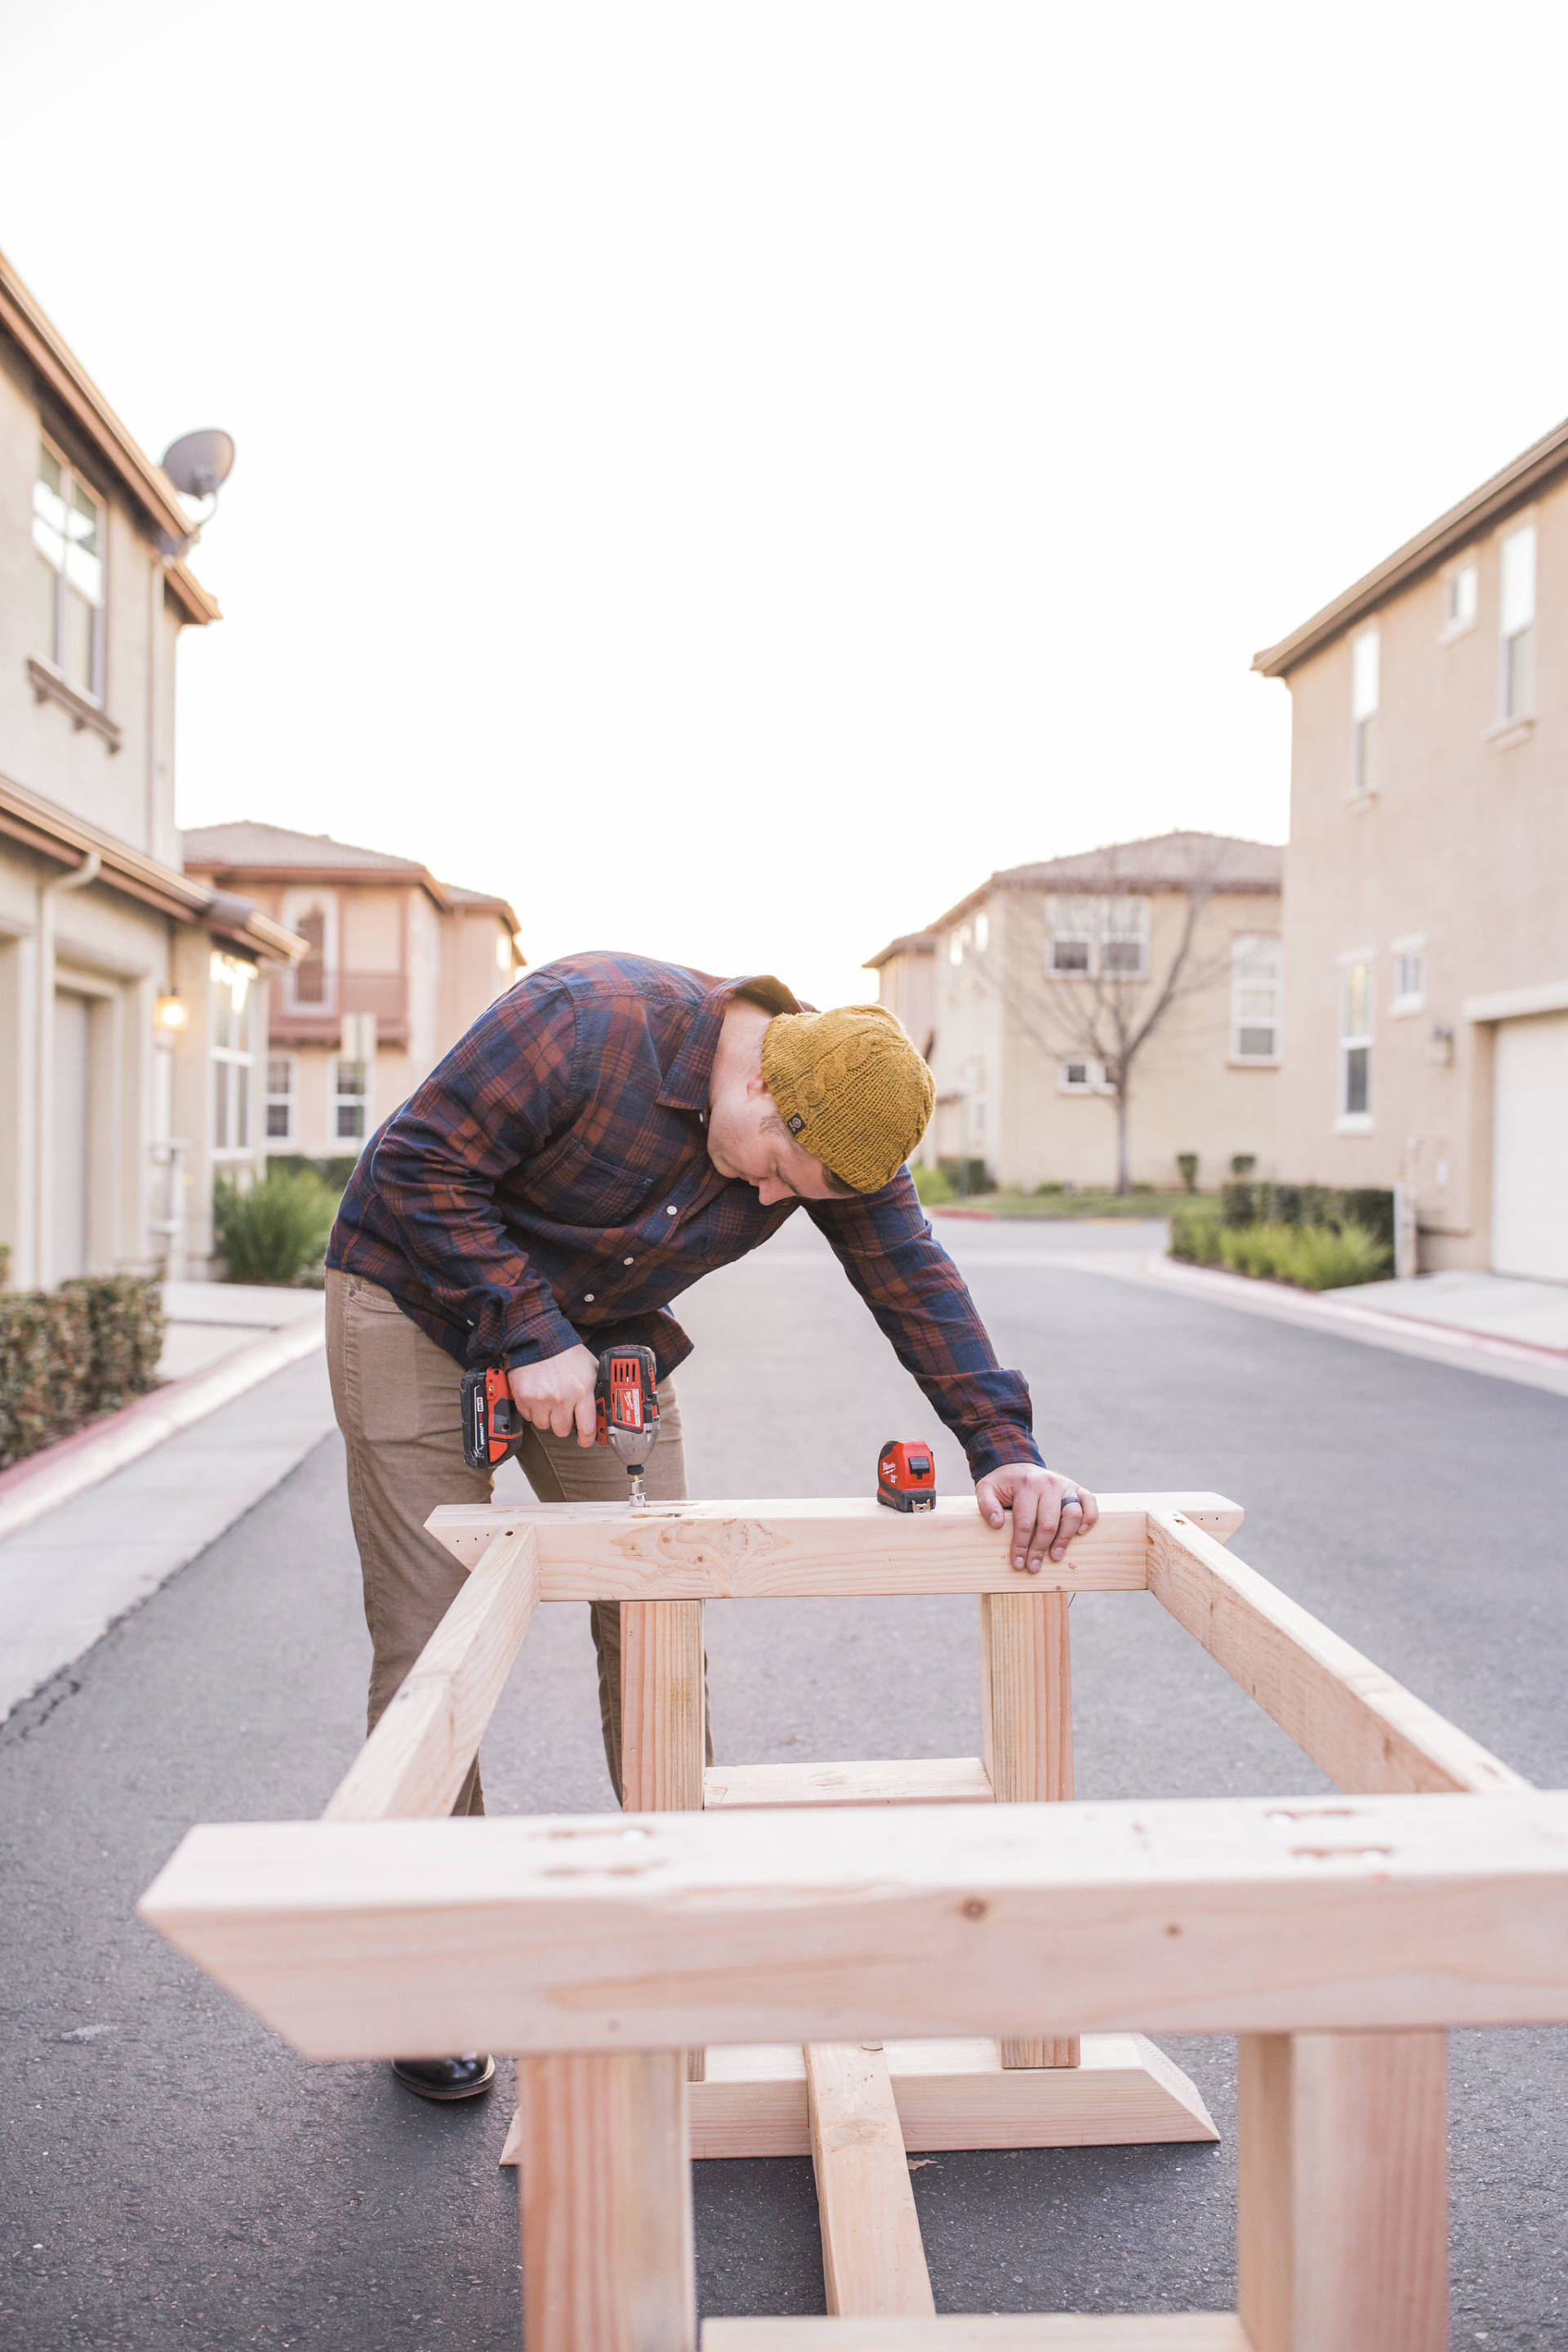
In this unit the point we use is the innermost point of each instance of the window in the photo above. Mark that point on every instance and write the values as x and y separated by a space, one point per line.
1079 1078
982 931
1461 593
353 1096
956 944
1255 982
280 1098
67 544
312 984
1355 1042
1516 623
232 1001
1409 976
1365 693
1099 939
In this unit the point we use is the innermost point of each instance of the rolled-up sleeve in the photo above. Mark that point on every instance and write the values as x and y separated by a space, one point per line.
499 1097
922 1304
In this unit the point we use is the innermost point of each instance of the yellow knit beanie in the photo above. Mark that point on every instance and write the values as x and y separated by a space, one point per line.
851 1089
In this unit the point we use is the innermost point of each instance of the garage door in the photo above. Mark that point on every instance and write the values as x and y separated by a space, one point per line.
1529 1149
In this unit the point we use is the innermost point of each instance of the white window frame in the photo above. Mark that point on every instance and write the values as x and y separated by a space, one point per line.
1404 1000
1242 951
350 1100
1366 702
286 1100
298 904
1093 1081
233 1090
1089 922
1515 626
1359 1040
1461 606
73 479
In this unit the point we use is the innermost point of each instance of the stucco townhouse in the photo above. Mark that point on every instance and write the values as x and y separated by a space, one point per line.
1023 995
131 993
397 965
1426 921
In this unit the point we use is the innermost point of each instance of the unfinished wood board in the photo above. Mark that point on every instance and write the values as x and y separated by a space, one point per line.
873 2263
662 1733
1342 2222
1026 1692
358 1939
923 1780
957 2094
807 1548
1366 1731
418 1758
1188 2331
605 2187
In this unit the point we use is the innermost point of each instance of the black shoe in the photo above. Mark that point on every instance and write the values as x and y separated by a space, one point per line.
445 2078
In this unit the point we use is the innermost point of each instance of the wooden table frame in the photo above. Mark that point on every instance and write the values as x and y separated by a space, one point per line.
1338 1938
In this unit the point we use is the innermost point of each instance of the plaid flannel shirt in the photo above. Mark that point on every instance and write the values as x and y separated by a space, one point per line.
549 1182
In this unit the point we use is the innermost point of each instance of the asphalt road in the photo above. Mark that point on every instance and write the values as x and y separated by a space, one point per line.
172 2174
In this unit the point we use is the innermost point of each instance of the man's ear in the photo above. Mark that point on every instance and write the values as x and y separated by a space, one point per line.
756 1085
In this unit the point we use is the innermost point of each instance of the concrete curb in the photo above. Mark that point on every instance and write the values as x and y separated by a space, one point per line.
45 1480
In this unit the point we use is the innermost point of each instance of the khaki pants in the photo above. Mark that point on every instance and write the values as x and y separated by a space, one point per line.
397 1395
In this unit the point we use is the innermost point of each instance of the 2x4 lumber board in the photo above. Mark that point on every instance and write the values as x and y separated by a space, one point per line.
918 1781
804 1548
663 1699
1366 1731
1189 2331
661 1705
418 1758
957 2095
1026 1689
604 2190
873 2263
1342 2191
360 1939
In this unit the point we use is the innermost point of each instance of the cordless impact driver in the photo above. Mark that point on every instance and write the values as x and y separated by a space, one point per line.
625 1412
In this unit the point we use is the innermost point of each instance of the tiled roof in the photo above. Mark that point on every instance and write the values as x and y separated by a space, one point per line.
911 943
273 851
1166 861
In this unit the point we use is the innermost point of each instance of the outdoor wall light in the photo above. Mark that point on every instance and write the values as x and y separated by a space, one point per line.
171 1014
1442 1043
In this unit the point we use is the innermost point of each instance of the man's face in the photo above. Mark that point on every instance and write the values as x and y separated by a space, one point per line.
747 1139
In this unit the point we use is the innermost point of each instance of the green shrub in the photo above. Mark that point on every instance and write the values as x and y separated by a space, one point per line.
68 1354
1195 1231
1313 1257
1244 1163
932 1186
1187 1163
277 1229
967 1176
335 1172
1051 1191
1238 1203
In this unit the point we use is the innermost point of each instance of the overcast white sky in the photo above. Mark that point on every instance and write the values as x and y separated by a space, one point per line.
732 475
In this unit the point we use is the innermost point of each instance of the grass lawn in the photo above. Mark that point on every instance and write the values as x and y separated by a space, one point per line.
1070 1205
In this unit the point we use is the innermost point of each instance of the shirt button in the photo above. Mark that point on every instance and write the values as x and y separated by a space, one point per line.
672 1211
587 1298
628 1261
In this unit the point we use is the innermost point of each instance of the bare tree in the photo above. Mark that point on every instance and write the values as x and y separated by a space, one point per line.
1105 999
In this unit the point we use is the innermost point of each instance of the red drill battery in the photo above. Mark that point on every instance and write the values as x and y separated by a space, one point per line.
491 1423
906 1476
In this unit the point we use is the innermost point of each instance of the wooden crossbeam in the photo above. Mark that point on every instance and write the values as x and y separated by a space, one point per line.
1025 1690
806 1548
356 1939
873 2262
918 1781
957 2095
1188 2331
1366 1731
418 1758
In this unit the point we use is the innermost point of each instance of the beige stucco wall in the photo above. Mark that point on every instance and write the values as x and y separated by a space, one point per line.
129 792
1004 1026
1465 844
906 984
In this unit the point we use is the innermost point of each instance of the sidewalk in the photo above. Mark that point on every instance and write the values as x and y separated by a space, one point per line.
100 1521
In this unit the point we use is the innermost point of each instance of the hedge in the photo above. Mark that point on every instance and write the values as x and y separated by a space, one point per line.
1247 1203
70 1354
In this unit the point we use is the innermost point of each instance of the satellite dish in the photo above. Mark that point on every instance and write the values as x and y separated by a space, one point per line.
198 464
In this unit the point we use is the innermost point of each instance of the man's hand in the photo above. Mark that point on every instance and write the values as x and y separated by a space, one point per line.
1048 1510
558 1394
